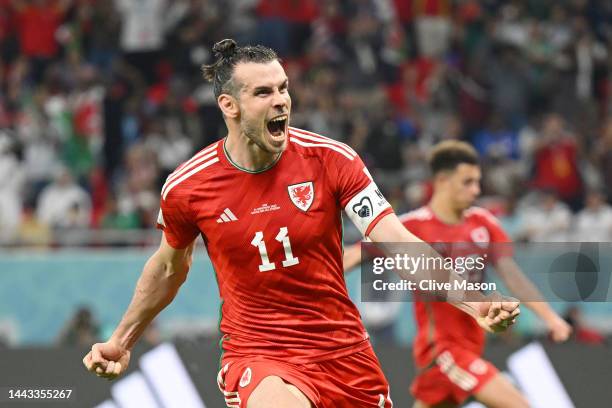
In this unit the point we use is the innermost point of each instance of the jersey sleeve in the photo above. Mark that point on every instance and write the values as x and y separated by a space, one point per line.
175 220
357 192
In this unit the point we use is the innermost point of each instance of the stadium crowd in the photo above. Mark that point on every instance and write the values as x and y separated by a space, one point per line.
101 100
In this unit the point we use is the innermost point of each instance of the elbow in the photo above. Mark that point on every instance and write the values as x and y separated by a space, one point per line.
170 266
176 273
172 271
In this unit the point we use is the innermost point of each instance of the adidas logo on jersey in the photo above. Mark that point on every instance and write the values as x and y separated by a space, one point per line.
227 216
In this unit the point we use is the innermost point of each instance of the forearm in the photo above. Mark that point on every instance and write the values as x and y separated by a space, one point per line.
529 295
492 314
156 288
522 288
390 231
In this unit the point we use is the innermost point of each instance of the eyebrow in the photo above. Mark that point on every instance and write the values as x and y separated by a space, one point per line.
267 88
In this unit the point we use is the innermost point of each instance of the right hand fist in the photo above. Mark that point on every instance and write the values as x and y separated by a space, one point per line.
107 360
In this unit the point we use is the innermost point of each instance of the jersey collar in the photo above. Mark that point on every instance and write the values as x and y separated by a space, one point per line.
237 166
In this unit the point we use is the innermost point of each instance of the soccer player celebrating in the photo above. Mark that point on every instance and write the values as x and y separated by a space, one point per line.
267 201
448 345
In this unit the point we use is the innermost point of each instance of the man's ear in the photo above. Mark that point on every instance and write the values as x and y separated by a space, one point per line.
228 105
441 177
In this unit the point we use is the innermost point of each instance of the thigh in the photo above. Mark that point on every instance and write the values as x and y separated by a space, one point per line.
274 392
356 380
500 393
268 382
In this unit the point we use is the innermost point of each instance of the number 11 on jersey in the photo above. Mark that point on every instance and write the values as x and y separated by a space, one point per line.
282 237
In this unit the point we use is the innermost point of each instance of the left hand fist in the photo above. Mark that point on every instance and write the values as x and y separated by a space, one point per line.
497 315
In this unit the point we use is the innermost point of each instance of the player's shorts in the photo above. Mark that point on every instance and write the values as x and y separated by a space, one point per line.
455 374
352 381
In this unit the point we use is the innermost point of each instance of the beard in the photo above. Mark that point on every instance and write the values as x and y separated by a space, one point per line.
255 133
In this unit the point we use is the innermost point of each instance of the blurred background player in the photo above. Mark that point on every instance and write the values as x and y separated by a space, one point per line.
291 334
448 345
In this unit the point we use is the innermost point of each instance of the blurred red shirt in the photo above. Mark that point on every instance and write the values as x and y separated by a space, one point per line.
37 25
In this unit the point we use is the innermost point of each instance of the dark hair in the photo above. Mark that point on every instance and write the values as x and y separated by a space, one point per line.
449 154
228 55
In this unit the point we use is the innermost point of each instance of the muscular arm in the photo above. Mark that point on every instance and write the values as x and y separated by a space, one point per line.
162 276
521 287
492 316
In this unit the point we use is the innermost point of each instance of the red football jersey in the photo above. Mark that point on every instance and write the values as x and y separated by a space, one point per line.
275 241
440 324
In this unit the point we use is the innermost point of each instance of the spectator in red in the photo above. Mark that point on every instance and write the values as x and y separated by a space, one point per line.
556 162
38 22
286 25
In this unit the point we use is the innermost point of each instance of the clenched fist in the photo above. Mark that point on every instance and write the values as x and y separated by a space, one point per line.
107 360
497 315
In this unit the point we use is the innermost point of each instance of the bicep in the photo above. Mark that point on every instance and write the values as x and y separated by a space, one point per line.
178 259
357 192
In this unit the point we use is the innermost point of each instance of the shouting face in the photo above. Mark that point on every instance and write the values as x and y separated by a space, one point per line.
264 104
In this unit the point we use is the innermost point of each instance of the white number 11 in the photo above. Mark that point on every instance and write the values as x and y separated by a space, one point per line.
283 238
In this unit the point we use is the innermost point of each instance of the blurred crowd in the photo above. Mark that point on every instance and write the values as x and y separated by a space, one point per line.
101 100
82 330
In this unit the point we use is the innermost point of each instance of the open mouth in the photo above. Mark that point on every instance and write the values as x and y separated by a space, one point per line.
276 126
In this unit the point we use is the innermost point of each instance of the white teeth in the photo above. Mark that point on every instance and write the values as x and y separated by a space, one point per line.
279 122
279 119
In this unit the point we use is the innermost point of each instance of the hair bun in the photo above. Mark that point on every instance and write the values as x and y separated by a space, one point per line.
225 48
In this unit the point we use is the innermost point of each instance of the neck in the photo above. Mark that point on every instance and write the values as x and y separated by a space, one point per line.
244 153
443 209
